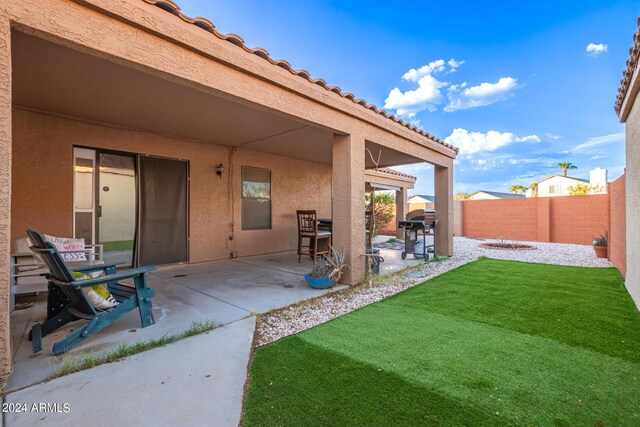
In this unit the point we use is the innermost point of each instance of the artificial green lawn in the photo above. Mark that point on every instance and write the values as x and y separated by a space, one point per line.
489 343
118 246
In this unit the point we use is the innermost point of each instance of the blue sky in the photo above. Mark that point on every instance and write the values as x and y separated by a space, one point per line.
511 83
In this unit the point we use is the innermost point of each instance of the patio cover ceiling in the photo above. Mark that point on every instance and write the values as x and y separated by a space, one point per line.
58 79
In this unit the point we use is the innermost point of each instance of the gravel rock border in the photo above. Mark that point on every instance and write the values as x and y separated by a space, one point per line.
307 314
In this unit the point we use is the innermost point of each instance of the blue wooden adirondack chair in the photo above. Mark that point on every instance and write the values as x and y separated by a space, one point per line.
79 306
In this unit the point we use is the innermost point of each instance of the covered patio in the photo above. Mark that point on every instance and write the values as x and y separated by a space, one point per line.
223 292
153 87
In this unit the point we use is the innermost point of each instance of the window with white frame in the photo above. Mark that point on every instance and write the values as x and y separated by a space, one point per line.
256 198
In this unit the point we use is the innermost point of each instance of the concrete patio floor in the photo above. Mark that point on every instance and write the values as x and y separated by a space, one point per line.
224 292
197 381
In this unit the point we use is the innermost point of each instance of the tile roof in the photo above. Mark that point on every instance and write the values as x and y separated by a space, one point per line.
398 173
632 64
171 7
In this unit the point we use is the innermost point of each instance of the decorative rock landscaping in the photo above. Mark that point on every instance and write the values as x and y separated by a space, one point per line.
296 318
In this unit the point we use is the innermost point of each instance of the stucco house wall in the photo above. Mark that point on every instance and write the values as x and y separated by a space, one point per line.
482 196
5 189
628 108
43 160
561 185
420 205
633 200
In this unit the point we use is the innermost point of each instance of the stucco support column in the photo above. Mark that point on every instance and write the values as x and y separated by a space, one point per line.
5 189
401 210
348 204
443 177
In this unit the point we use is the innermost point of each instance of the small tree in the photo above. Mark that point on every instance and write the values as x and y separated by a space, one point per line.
517 188
583 189
461 196
384 211
534 189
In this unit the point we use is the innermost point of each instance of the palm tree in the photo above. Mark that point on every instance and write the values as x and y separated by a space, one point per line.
565 167
517 188
534 189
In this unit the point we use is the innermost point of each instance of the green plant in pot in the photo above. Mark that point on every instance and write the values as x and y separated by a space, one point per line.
327 270
600 244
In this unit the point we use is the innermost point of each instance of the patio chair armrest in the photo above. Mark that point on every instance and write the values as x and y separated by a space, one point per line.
95 267
108 278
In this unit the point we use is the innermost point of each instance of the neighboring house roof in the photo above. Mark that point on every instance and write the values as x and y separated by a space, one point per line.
205 24
428 198
398 173
562 176
627 74
499 194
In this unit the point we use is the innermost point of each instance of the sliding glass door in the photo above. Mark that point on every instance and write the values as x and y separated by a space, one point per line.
116 206
84 208
135 206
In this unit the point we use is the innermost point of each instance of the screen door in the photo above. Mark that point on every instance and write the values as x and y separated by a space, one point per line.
163 211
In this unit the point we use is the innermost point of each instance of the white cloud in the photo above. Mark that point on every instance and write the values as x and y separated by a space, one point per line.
552 136
598 140
426 97
453 64
481 95
474 142
429 95
596 49
528 138
414 75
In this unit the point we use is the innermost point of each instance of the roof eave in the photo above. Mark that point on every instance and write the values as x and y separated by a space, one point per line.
172 8
630 96
628 85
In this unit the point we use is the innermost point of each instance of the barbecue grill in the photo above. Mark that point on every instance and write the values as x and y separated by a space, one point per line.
418 224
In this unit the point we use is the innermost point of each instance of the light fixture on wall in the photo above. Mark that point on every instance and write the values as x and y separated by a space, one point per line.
220 170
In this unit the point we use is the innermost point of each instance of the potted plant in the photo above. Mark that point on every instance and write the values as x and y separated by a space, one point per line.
327 270
600 244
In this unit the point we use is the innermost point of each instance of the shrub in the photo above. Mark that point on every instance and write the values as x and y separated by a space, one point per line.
384 210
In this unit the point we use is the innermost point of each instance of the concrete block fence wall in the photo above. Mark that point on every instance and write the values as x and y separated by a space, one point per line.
514 219
391 229
568 219
577 219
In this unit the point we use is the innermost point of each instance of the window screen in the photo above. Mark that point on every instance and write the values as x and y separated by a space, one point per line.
256 198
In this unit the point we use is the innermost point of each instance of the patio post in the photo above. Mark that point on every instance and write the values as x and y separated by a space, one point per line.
5 189
349 204
401 210
443 185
